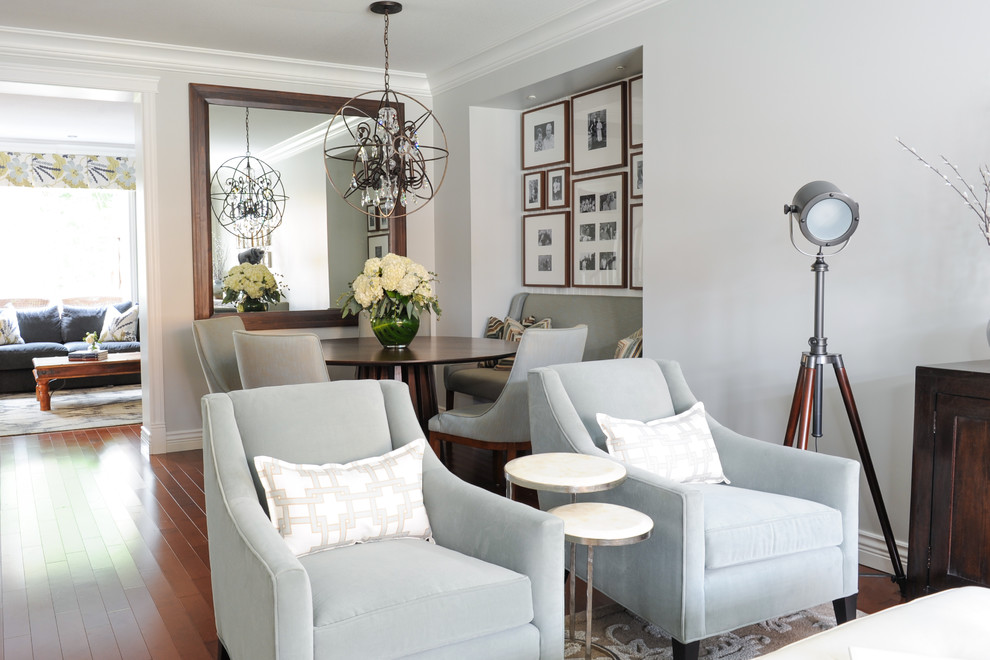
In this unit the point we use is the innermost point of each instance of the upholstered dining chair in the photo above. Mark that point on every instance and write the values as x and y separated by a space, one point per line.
503 426
488 586
214 339
782 536
265 359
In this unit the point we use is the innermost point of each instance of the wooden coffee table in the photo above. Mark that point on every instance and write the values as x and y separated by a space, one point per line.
47 369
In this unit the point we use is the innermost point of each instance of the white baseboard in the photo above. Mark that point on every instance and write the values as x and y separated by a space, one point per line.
873 552
184 441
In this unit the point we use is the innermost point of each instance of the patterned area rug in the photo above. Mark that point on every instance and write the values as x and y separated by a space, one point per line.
632 638
84 408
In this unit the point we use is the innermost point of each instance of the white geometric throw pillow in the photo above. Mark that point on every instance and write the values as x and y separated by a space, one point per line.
318 507
10 332
680 448
120 326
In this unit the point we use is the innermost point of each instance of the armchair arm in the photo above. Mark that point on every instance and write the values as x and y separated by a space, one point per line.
510 534
261 593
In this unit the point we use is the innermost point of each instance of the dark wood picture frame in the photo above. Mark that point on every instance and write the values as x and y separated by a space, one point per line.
595 144
376 241
636 246
636 112
535 152
636 180
547 249
534 191
599 245
563 174
201 97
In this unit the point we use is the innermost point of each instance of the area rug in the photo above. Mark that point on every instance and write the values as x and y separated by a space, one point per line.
632 638
83 408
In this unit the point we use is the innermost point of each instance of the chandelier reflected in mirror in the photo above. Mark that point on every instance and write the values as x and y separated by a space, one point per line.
387 162
247 195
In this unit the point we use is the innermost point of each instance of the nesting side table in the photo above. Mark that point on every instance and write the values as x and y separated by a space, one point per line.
585 523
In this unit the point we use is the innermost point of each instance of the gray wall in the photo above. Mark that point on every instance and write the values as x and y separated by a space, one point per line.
743 104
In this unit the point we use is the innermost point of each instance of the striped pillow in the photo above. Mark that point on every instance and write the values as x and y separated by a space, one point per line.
493 330
319 507
631 346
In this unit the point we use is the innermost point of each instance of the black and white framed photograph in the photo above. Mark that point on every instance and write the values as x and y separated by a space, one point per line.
598 129
545 135
372 222
383 223
636 175
534 191
377 246
636 246
636 113
546 249
599 238
558 188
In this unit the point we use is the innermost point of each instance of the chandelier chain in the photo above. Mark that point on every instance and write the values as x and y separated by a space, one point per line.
386 52
247 132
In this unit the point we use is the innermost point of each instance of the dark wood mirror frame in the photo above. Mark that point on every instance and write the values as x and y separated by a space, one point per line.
200 99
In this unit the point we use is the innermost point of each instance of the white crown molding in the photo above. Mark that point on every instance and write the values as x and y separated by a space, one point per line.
556 30
104 51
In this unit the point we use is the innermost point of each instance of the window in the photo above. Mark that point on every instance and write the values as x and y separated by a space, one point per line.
67 242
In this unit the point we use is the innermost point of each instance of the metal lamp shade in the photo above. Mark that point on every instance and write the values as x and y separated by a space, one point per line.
825 215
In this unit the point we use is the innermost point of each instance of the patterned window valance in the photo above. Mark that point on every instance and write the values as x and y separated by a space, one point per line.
65 171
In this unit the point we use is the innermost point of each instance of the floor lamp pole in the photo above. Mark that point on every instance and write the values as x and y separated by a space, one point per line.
806 412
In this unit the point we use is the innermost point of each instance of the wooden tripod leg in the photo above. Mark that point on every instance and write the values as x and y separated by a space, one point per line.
871 475
801 407
792 419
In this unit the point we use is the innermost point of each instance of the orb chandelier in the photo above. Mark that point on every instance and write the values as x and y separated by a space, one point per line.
387 162
247 195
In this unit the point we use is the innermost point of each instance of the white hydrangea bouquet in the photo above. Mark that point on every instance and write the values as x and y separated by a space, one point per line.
252 281
391 287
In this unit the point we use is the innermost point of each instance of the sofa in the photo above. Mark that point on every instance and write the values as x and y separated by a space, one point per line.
609 319
56 331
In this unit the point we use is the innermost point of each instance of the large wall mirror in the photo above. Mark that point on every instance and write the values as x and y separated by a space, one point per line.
322 242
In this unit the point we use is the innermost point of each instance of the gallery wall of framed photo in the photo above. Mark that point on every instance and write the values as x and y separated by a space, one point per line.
582 188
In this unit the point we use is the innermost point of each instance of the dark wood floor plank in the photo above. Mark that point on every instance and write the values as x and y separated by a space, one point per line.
73 642
15 614
128 635
103 643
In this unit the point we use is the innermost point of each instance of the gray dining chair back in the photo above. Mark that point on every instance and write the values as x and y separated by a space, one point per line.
503 426
264 360
214 339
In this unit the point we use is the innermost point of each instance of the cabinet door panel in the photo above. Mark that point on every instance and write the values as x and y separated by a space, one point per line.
960 529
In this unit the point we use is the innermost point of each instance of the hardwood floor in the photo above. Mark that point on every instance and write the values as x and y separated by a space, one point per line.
104 551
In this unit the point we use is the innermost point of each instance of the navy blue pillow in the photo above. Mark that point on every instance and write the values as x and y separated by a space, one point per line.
41 324
77 321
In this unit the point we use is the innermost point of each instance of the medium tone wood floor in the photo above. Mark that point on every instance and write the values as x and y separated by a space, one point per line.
104 551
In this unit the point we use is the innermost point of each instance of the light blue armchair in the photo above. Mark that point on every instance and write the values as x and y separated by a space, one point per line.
491 586
781 538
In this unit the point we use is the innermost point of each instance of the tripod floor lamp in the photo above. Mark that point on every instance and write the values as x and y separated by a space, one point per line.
827 218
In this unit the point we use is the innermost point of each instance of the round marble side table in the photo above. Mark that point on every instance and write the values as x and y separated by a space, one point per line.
593 524
563 472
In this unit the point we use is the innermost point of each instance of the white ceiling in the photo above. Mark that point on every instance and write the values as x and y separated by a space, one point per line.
432 37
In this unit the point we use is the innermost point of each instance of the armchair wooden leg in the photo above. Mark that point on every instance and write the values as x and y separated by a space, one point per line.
222 651
684 651
450 400
845 609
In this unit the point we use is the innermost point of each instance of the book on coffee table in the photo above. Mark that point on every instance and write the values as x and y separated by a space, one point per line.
86 355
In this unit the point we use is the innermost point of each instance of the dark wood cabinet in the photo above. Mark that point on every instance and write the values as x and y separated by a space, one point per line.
949 542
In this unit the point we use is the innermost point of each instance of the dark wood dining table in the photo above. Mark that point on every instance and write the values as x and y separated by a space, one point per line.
414 365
